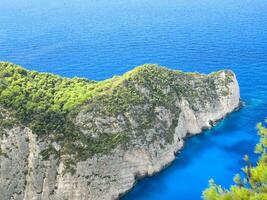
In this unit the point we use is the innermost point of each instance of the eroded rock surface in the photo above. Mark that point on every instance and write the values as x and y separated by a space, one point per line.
155 131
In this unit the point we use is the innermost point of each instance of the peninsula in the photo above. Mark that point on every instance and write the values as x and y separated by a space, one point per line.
79 139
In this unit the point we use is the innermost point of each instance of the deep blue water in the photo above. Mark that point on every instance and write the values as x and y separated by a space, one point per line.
100 38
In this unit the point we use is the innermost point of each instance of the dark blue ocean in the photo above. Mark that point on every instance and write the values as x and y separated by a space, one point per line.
101 38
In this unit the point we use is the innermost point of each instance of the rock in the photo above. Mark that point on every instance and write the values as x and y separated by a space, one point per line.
151 145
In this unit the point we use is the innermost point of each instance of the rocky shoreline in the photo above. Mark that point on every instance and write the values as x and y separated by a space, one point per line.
168 106
214 123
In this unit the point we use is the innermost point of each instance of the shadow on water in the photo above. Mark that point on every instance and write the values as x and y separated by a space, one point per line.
240 147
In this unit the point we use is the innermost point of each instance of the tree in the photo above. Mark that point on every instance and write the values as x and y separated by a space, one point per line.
254 186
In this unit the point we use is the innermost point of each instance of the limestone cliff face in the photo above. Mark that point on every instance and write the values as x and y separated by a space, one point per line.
155 132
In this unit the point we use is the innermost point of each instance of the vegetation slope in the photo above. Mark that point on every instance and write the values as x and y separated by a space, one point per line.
48 104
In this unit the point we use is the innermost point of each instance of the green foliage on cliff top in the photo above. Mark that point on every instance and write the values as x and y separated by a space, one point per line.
253 186
48 103
42 100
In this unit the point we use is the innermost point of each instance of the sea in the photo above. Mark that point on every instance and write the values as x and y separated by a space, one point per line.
98 39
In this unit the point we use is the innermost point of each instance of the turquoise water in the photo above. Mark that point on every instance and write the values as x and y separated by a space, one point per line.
100 38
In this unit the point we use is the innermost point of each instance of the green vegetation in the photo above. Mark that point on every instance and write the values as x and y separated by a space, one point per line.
48 104
254 185
42 100
45 102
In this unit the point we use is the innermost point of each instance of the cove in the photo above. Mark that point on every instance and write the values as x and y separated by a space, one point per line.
99 39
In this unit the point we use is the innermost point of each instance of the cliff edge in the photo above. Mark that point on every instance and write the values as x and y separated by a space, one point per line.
76 139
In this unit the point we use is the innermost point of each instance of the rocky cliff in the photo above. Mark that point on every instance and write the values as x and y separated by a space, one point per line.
126 127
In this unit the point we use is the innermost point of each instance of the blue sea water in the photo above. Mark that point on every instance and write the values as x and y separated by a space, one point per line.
101 38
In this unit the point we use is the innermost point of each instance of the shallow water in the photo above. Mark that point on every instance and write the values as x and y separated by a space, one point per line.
101 38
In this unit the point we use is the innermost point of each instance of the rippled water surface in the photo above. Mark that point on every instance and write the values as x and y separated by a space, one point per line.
100 38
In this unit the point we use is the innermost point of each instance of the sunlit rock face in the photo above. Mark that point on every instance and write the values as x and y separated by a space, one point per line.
154 108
